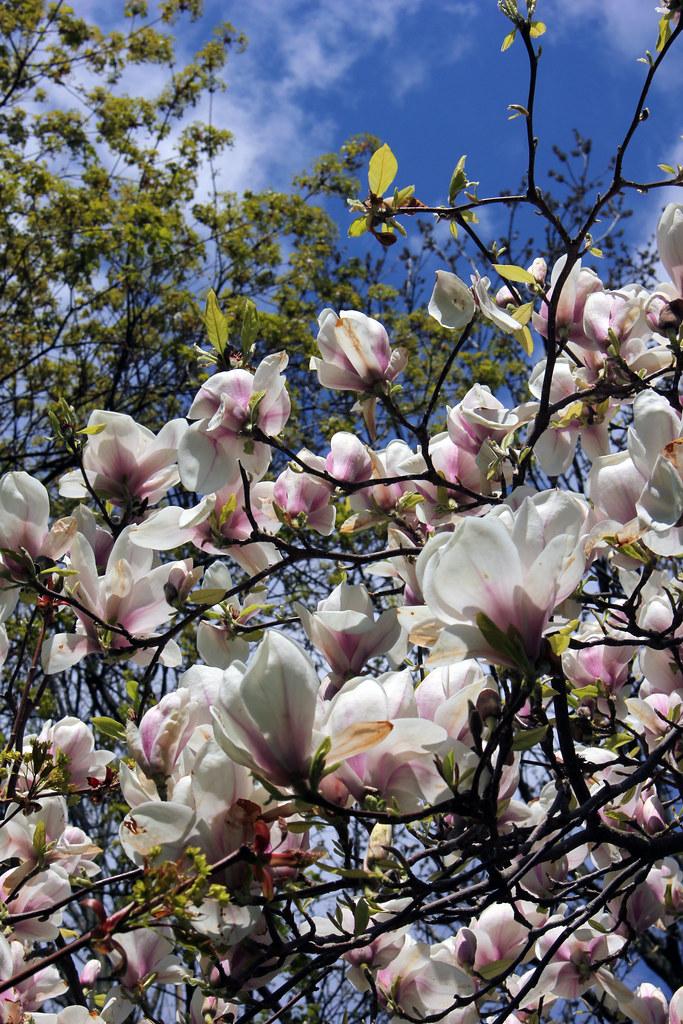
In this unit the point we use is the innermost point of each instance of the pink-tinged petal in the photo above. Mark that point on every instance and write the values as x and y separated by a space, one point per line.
483 560
660 506
208 462
655 425
555 450
24 513
670 243
676 1007
451 303
157 824
397 363
64 650
265 721
363 341
322 520
338 378
348 459
162 530
615 485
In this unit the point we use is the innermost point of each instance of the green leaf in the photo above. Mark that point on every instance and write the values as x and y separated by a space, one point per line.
458 180
250 326
537 28
508 644
215 323
525 340
110 727
559 642
664 32
528 738
357 227
523 314
40 838
667 168
383 169
401 194
512 273
209 595
96 428
255 399
590 692
227 510
509 40
361 917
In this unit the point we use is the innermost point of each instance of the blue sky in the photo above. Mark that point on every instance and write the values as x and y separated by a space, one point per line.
428 77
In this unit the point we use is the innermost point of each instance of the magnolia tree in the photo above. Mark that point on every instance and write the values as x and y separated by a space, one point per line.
461 778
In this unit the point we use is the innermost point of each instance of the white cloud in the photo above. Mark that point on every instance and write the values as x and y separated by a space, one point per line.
301 59
629 26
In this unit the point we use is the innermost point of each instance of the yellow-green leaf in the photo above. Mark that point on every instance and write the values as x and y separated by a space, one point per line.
525 340
383 169
667 168
215 323
664 32
528 738
96 428
512 273
537 29
458 180
508 41
523 313
357 227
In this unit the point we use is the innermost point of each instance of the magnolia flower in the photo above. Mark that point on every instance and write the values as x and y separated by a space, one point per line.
40 892
575 965
401 765
556 446
477 419
379 953
642 488
349 459
44 837
356 356
142 957
514 568
131 595
124 461
580 283
228 409
265 719
670 243
396 460
420 984
71 741
355 350
496 938
303 499
488 308
28 995
164 730
344 629
219 524
24 519
451 303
